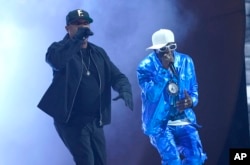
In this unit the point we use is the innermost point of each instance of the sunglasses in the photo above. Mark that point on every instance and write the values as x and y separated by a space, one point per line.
167 48
79 23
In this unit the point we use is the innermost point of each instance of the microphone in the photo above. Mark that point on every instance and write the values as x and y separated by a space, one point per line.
173 70
83 33
90 33
87 34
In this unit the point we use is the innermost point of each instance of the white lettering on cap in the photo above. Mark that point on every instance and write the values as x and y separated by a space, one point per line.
80 13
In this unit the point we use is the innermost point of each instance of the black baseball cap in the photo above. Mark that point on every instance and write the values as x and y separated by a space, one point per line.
77 14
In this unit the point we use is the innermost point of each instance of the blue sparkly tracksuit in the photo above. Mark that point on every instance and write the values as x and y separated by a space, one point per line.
170 141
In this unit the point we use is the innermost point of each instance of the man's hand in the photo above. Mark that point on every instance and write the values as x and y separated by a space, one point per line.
127 97
185 103
83 33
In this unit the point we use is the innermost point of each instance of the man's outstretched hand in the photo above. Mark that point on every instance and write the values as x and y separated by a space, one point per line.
128 99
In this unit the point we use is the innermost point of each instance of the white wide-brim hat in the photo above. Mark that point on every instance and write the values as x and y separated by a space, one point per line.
161 38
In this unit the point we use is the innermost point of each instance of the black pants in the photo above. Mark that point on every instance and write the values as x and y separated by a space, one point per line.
86 143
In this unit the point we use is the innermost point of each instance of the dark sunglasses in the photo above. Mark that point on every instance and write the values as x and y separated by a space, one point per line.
79 23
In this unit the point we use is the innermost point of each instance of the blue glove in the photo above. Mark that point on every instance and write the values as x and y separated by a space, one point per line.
127 97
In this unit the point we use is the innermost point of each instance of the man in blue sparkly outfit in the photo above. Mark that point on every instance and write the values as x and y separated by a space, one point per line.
169 92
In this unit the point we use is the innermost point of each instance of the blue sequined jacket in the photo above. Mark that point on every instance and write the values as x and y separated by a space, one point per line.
153 79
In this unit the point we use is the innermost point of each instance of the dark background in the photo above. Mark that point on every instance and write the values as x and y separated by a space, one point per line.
215 40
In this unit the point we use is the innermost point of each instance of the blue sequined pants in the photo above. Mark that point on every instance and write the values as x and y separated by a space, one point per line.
179 145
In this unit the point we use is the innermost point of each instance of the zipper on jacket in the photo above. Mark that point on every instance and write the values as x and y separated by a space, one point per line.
73 101
100 90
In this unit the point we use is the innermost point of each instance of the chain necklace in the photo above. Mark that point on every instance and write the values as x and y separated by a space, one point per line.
87 68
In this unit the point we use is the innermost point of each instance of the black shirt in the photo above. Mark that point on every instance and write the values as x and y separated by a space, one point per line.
87 102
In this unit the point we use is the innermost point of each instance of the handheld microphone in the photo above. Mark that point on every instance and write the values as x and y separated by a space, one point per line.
90 33
173 70
83 33
87 34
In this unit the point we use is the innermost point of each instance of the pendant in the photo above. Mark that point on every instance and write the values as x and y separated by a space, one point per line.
88 73
172 88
